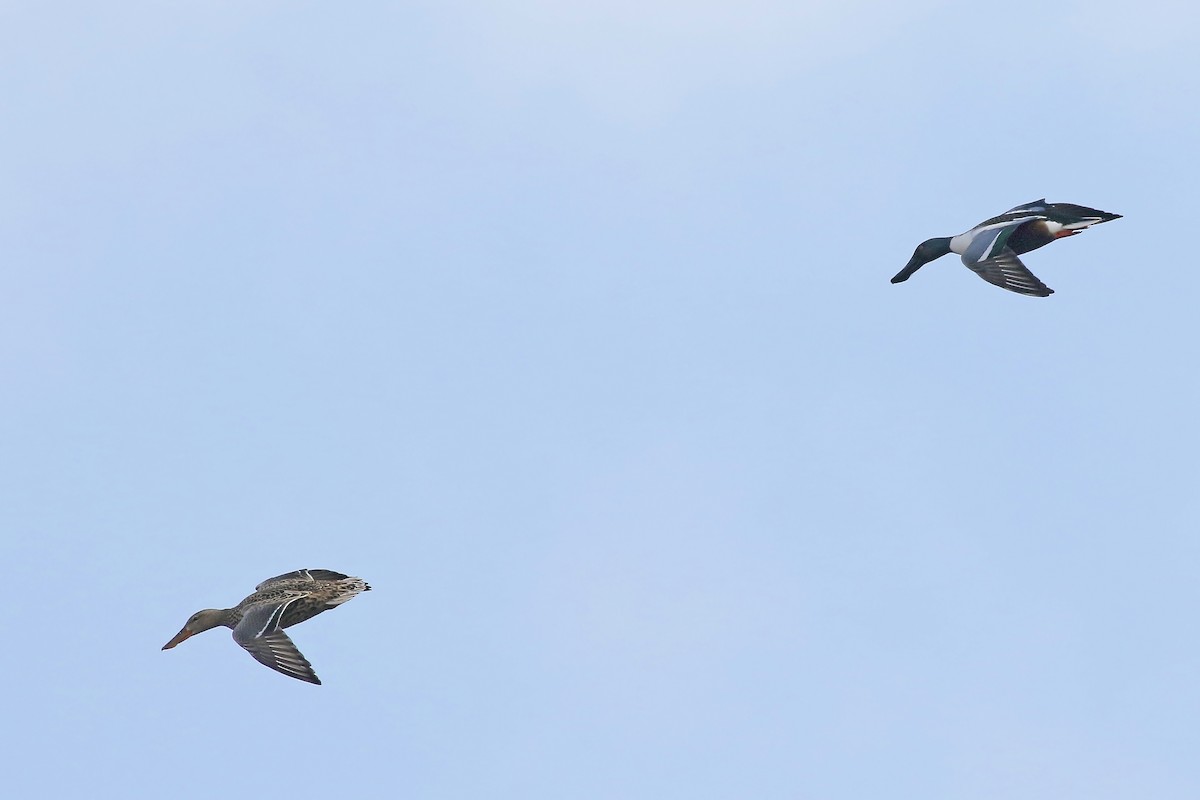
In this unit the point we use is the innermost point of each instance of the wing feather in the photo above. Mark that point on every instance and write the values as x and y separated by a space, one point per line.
1005 270
259 632
303 575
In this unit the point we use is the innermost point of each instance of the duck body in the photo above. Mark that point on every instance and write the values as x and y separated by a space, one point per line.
992 247
277 603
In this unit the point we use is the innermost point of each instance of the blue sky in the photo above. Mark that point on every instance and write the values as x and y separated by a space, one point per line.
570 330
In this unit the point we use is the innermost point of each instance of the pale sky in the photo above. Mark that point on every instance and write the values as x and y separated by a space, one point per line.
569 328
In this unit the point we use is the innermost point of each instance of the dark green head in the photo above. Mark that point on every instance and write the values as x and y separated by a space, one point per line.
926 251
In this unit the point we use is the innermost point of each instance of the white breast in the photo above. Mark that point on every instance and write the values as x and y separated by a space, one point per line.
960 243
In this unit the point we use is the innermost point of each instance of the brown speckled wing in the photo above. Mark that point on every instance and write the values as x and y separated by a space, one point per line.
302 575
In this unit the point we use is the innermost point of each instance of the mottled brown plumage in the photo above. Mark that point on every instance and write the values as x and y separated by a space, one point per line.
277 603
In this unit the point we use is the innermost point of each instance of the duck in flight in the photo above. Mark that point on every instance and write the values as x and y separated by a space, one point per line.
991 248
277 603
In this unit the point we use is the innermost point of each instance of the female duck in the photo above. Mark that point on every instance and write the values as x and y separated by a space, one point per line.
277 603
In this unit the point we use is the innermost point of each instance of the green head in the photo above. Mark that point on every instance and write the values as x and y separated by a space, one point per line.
926 251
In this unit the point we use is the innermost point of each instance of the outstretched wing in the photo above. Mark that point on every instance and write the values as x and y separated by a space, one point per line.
302 575
260 634
1005 270
990 257
1015 216
1036 207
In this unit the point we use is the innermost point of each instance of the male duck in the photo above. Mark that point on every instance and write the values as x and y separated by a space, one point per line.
991 247
278 603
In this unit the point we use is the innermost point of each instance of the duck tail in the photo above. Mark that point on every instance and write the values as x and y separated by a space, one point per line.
1080 217
348 589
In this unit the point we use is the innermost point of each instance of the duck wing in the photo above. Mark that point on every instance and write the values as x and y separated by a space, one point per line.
990 257
1035 207
302 575
1024 213
1075 216
1005 270
261 634
1069 215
